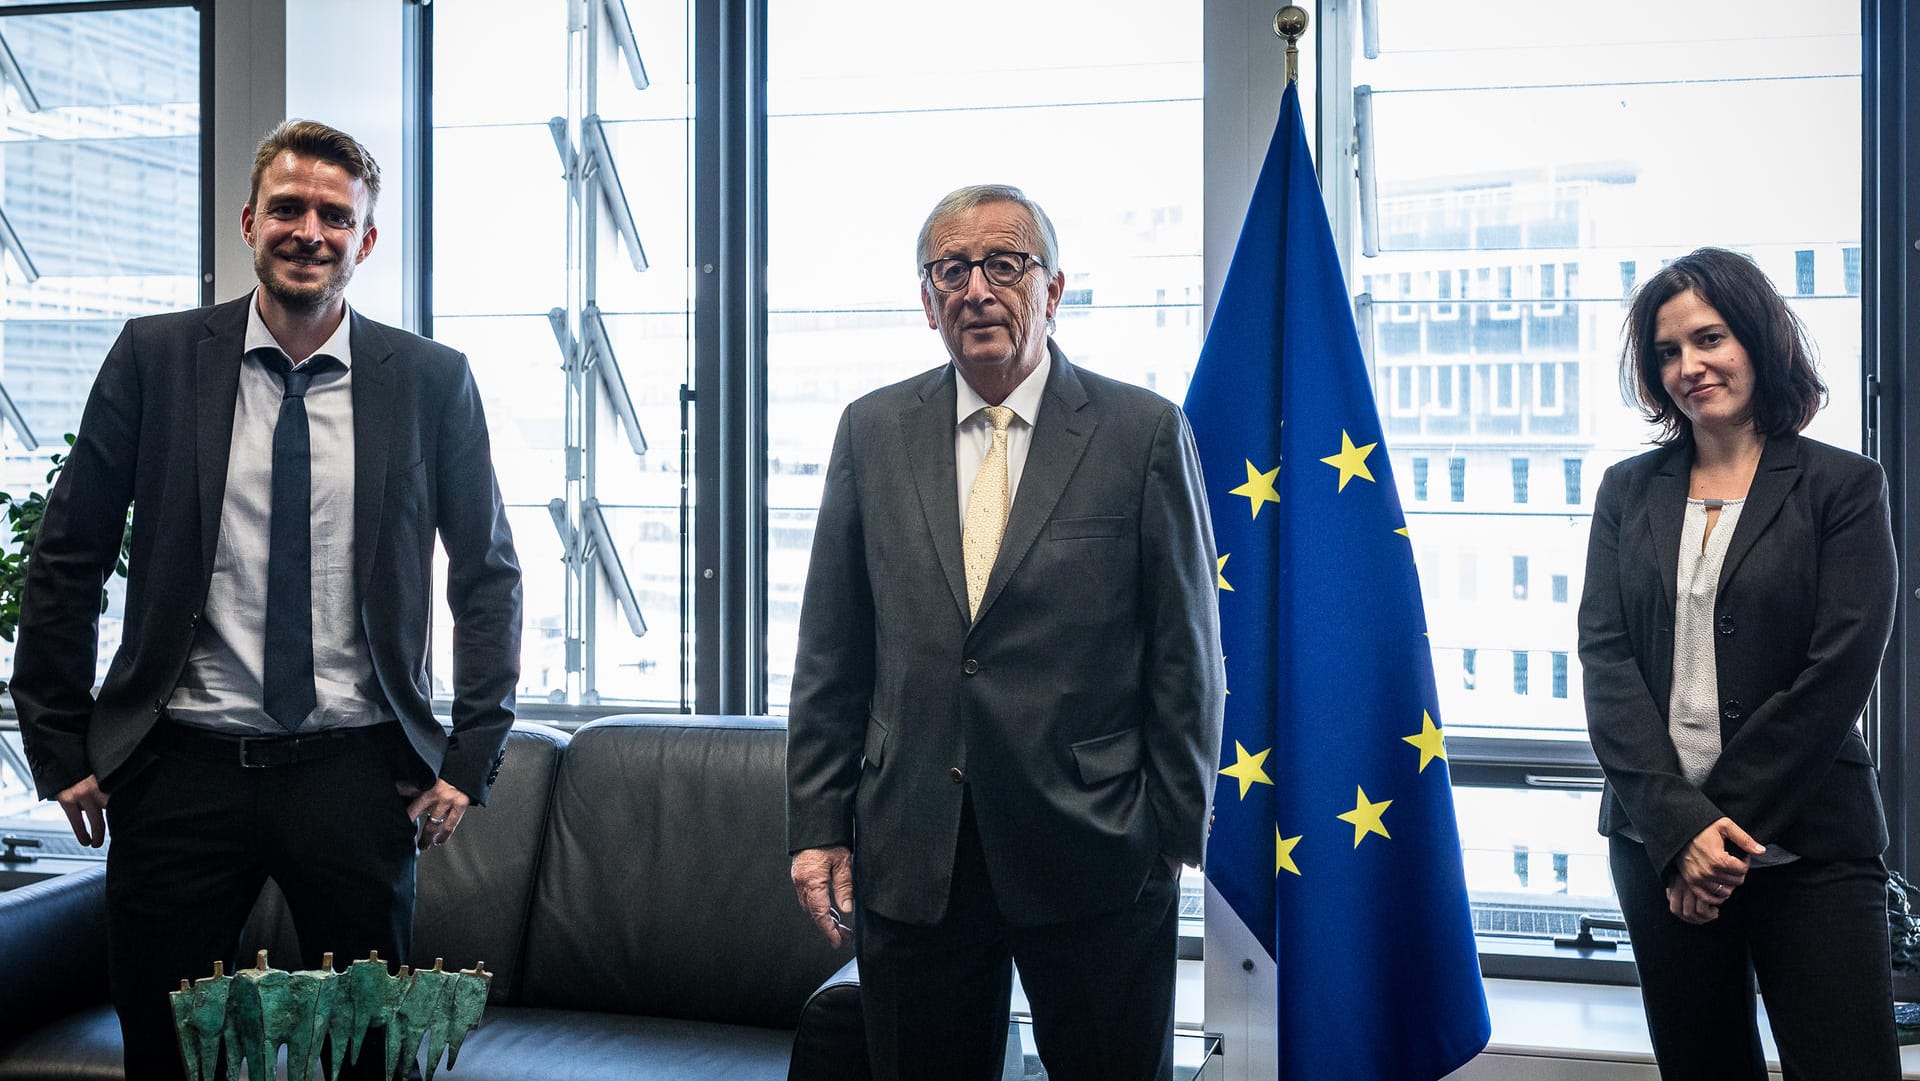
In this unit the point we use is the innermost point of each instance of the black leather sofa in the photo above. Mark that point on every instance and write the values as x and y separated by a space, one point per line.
627 885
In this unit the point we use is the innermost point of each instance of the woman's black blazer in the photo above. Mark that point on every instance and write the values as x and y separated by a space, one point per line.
1805 606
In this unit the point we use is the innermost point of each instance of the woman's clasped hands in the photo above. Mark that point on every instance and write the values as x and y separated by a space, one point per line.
1709 869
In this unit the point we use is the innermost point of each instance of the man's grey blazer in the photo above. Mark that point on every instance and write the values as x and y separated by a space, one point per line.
156 433
1081 709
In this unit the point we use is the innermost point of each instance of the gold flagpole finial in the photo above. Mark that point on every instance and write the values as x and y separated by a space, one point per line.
1290 22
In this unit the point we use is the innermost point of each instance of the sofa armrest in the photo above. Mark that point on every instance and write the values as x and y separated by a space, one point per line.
830 1043
53 940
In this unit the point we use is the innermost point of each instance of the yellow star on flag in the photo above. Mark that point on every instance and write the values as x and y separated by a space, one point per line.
1219 569
1248 769
1365 816
1351 461
1431 741
1283 853
1259 487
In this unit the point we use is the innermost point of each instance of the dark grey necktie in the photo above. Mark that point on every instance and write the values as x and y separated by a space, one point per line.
286 689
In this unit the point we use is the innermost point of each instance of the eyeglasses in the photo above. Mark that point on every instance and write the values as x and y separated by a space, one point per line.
1002 268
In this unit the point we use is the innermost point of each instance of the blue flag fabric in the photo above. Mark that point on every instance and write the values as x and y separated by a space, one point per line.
1334 839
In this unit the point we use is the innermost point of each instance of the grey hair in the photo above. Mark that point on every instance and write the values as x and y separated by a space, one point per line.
975 195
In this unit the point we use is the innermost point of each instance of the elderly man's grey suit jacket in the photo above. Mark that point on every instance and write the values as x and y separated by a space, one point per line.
1081 709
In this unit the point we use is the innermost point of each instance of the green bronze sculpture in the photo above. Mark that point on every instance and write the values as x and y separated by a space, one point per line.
373 994
252 1014
464 1007
200 1017
310 995
255 1007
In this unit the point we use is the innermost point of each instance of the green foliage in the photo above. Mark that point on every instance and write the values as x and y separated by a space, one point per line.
23 524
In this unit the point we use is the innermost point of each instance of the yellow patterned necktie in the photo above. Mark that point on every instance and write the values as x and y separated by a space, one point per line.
986 510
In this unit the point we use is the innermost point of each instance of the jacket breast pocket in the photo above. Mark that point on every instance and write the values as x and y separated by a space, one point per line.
1086 528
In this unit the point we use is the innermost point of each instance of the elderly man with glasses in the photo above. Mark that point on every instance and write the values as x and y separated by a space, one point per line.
1007 700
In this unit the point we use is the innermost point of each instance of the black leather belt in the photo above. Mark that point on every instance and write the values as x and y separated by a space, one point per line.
268 752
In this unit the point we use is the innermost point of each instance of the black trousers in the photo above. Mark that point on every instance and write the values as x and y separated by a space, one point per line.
1101 988
1814 935
195 835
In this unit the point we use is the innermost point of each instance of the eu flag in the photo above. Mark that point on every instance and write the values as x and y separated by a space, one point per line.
1334 841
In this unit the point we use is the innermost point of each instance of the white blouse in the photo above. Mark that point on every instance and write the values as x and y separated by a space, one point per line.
1693 707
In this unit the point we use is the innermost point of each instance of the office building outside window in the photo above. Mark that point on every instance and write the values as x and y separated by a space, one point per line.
100 215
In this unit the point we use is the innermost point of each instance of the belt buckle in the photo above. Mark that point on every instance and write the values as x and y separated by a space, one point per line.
265 753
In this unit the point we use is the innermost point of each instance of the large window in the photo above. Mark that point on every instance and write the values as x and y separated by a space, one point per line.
1548 157
876 113
561 252
100 212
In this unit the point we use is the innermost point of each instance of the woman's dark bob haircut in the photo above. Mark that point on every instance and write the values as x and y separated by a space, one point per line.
1787 391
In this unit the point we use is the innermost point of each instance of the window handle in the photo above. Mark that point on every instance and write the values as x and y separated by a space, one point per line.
1363 166
1572 782
1585 940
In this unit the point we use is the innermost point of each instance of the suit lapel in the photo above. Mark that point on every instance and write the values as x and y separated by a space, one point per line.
1666 509
1059 440
927 430
1773 478
373 396
216 388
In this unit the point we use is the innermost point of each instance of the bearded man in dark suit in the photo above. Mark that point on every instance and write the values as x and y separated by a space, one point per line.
289 463
1007 700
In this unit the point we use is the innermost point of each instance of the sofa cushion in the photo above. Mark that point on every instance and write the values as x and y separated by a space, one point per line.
475 890
83 1046
663 889
831 1041
54 946
515 1043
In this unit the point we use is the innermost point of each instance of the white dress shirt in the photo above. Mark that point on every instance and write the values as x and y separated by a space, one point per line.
973 432
219 688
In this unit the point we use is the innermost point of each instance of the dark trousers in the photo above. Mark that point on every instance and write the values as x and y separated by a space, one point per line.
1101 988
194 837
1814 935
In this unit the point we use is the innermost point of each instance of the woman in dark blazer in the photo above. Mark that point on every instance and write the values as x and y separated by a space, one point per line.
1739 594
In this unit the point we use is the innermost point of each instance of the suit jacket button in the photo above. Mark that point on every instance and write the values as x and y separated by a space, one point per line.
1726 624
971 666
957 774
1730 709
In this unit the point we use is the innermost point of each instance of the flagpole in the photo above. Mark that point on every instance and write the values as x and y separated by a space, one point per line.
1290 22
